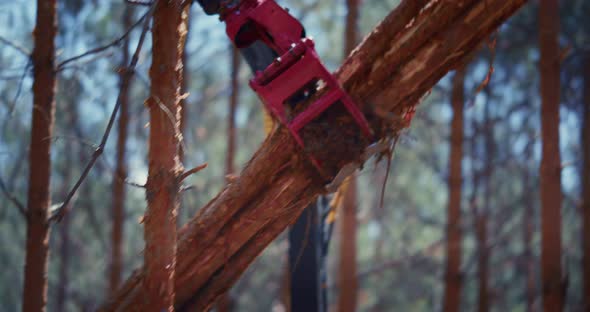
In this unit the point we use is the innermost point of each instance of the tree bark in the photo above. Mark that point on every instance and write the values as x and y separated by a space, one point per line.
162 187
347 275
118 206
39 197
550 171
586 185
392 69
453 276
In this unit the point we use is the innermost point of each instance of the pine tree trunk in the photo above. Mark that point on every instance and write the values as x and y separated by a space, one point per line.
391 70
347 275
162 188
231 118
39 197
528 230
586 185
118 206
224 303
550 171
482 217
453 279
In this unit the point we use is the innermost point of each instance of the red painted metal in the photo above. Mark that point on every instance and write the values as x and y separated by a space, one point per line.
298 68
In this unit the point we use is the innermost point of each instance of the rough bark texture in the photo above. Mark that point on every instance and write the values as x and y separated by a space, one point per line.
39 197
550 171
347 275
453 277
586 185
118 207
416 45
169 31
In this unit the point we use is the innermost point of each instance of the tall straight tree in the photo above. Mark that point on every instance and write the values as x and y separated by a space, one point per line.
224 303
347 273
118 205
39 196
453 279
550 171
162 187
586 184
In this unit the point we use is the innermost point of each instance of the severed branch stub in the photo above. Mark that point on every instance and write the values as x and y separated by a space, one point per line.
194 170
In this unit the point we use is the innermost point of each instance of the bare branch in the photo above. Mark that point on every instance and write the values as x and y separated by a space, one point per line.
111 44
129 72
16 46
13 199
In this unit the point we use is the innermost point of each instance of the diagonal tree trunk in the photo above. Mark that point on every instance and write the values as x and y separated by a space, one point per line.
550 171
118 207
39 197
162 187
586 184
453 277
347 267
415 46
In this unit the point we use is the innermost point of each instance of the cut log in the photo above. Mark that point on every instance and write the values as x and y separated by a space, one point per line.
412 48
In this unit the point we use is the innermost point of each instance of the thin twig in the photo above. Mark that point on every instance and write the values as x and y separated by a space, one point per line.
129 72
196 169
109 45
16 46
13 199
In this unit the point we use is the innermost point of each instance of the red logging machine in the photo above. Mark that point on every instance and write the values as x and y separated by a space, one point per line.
296 72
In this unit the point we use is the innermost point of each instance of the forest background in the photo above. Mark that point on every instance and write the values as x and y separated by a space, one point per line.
401 254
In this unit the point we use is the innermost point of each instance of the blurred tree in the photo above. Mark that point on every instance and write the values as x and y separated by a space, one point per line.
274 188
225 302
528 227
347 275
120 174
550 171
164 174
453 276
39 197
